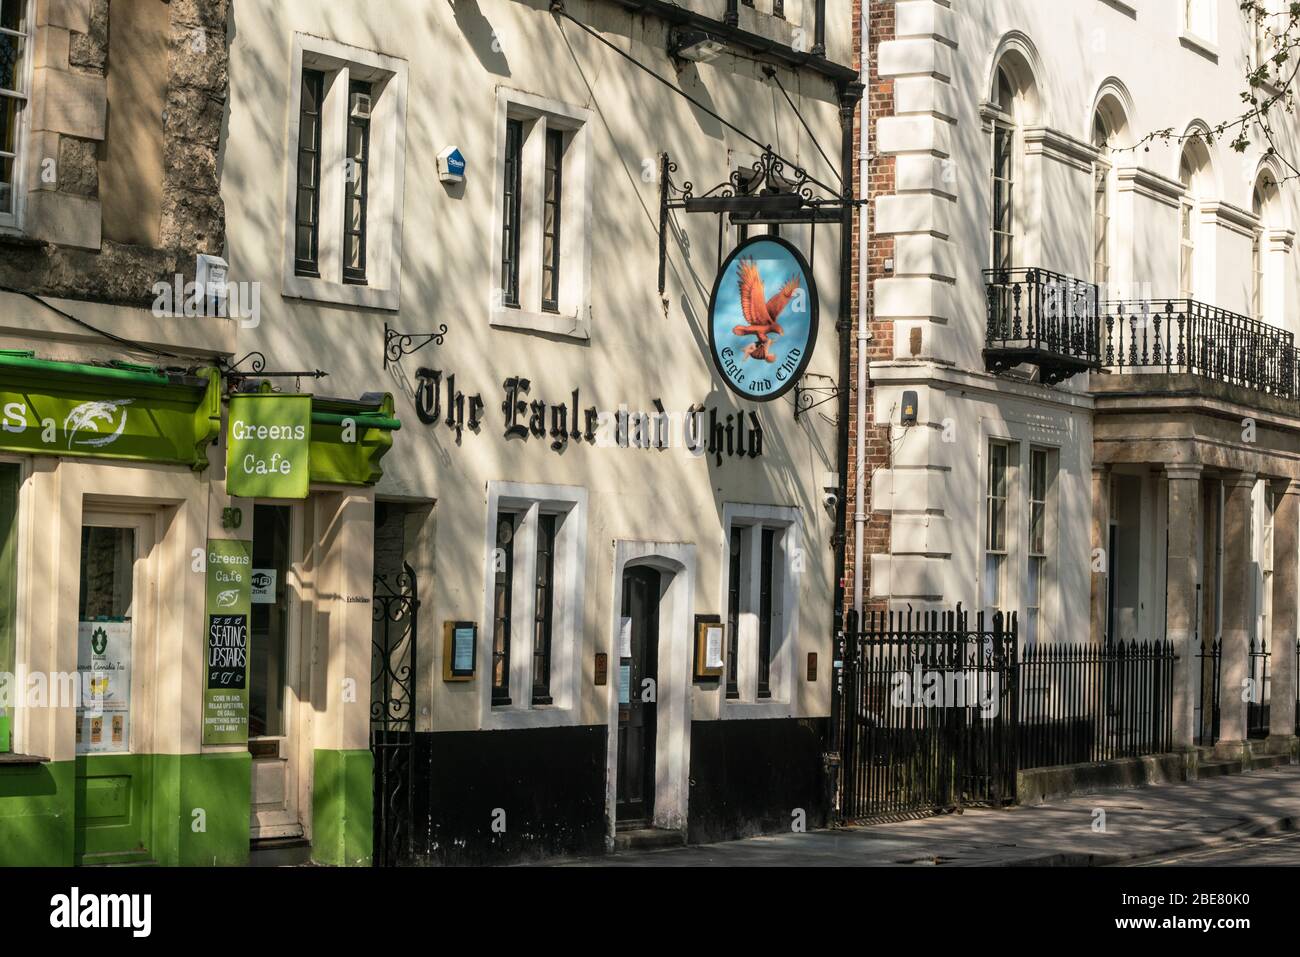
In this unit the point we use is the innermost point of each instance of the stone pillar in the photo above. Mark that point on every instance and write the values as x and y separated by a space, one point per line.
1286 579
1238 608
1183 576
1100 546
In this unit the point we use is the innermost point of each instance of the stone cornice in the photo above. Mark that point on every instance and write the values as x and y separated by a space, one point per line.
1061 147
1150 184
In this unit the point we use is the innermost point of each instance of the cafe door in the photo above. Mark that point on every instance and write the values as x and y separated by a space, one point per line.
638 676
274 679
114 643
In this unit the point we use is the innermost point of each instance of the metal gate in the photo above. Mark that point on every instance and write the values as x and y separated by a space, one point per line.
395 612
928 714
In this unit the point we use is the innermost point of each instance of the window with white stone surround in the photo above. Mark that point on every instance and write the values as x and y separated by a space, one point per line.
531 642
541 235
345 175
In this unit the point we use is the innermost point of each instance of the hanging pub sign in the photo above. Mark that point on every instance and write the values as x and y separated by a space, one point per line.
267 443
229 603
763 318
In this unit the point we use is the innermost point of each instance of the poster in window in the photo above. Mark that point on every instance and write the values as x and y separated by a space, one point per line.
104 676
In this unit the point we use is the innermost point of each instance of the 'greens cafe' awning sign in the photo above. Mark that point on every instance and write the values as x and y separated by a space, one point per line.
268 443
117 411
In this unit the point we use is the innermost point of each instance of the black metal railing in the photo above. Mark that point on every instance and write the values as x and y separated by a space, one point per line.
929 713
1088 702
1183 335
1044 318
1257 710
1209 660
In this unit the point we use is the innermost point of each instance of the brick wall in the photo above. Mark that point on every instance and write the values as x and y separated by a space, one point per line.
878 102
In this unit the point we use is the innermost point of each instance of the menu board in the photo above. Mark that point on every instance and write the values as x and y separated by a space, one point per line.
229 604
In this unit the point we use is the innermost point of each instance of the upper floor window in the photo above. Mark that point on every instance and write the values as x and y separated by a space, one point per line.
344 240
1257 255
1004 171
1199 19
1101 203
543 217
15 43
1193 173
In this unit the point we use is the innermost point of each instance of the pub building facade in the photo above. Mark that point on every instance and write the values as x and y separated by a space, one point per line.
177 640
584 596
466 207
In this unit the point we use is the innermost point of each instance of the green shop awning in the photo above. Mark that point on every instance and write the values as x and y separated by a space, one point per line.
114 411
340 462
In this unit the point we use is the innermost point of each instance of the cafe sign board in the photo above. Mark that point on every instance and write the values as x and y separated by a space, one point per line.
267 445
763 318
226 647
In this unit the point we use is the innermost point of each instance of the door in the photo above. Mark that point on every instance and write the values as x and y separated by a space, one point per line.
112 770
273 665
638 679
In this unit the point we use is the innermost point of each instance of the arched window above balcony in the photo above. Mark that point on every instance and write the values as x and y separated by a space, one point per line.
1012 104
1194 172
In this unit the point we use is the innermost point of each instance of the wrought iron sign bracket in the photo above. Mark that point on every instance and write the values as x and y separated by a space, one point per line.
257 369
398 344
809 397
767 193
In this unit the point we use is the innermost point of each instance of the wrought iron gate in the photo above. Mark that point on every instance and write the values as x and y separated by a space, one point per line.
928 714
395 612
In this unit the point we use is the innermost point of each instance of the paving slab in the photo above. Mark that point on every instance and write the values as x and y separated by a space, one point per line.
1089 830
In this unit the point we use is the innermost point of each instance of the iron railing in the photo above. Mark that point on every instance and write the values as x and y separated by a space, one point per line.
929 713
1088 702
1210 660
1186 336
1043 318
1257 710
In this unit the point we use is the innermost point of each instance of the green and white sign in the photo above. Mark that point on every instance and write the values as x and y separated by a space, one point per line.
226 645
268 443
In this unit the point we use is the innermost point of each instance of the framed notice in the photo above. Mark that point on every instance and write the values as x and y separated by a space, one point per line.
459 650
710 636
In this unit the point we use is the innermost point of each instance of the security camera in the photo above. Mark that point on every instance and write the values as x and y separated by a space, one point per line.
830 499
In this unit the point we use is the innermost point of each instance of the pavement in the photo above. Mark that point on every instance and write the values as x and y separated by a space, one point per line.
1228 820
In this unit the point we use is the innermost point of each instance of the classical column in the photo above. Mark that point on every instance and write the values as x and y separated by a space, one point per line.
1183 576
1100 544
1286 579
1238 605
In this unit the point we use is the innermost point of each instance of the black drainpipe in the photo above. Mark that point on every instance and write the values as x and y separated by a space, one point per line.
819 30
850 94
732 16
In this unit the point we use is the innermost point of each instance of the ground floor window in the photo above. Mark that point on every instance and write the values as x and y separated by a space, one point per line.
761 563
535 567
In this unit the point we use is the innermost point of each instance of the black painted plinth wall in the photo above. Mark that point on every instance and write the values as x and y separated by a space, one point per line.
748 777
550 783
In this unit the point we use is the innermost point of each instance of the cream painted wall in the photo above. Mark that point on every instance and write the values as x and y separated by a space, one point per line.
640 347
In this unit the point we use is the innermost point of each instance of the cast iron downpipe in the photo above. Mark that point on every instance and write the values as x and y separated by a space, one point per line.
850 94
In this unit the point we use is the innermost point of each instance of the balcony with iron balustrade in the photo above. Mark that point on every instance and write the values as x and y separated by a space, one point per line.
1043 319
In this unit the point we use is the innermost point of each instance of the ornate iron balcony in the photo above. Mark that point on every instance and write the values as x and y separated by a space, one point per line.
1042 318
1186 336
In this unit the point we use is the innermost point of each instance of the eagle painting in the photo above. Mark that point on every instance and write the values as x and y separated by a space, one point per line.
760 313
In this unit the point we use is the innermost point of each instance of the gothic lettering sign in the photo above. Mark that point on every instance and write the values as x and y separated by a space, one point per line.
763 318
527 416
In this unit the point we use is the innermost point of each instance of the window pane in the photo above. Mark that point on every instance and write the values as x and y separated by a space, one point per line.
503 563
992 581
13 70
510 214
545 606
307 237
733 609
6 185
767 587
